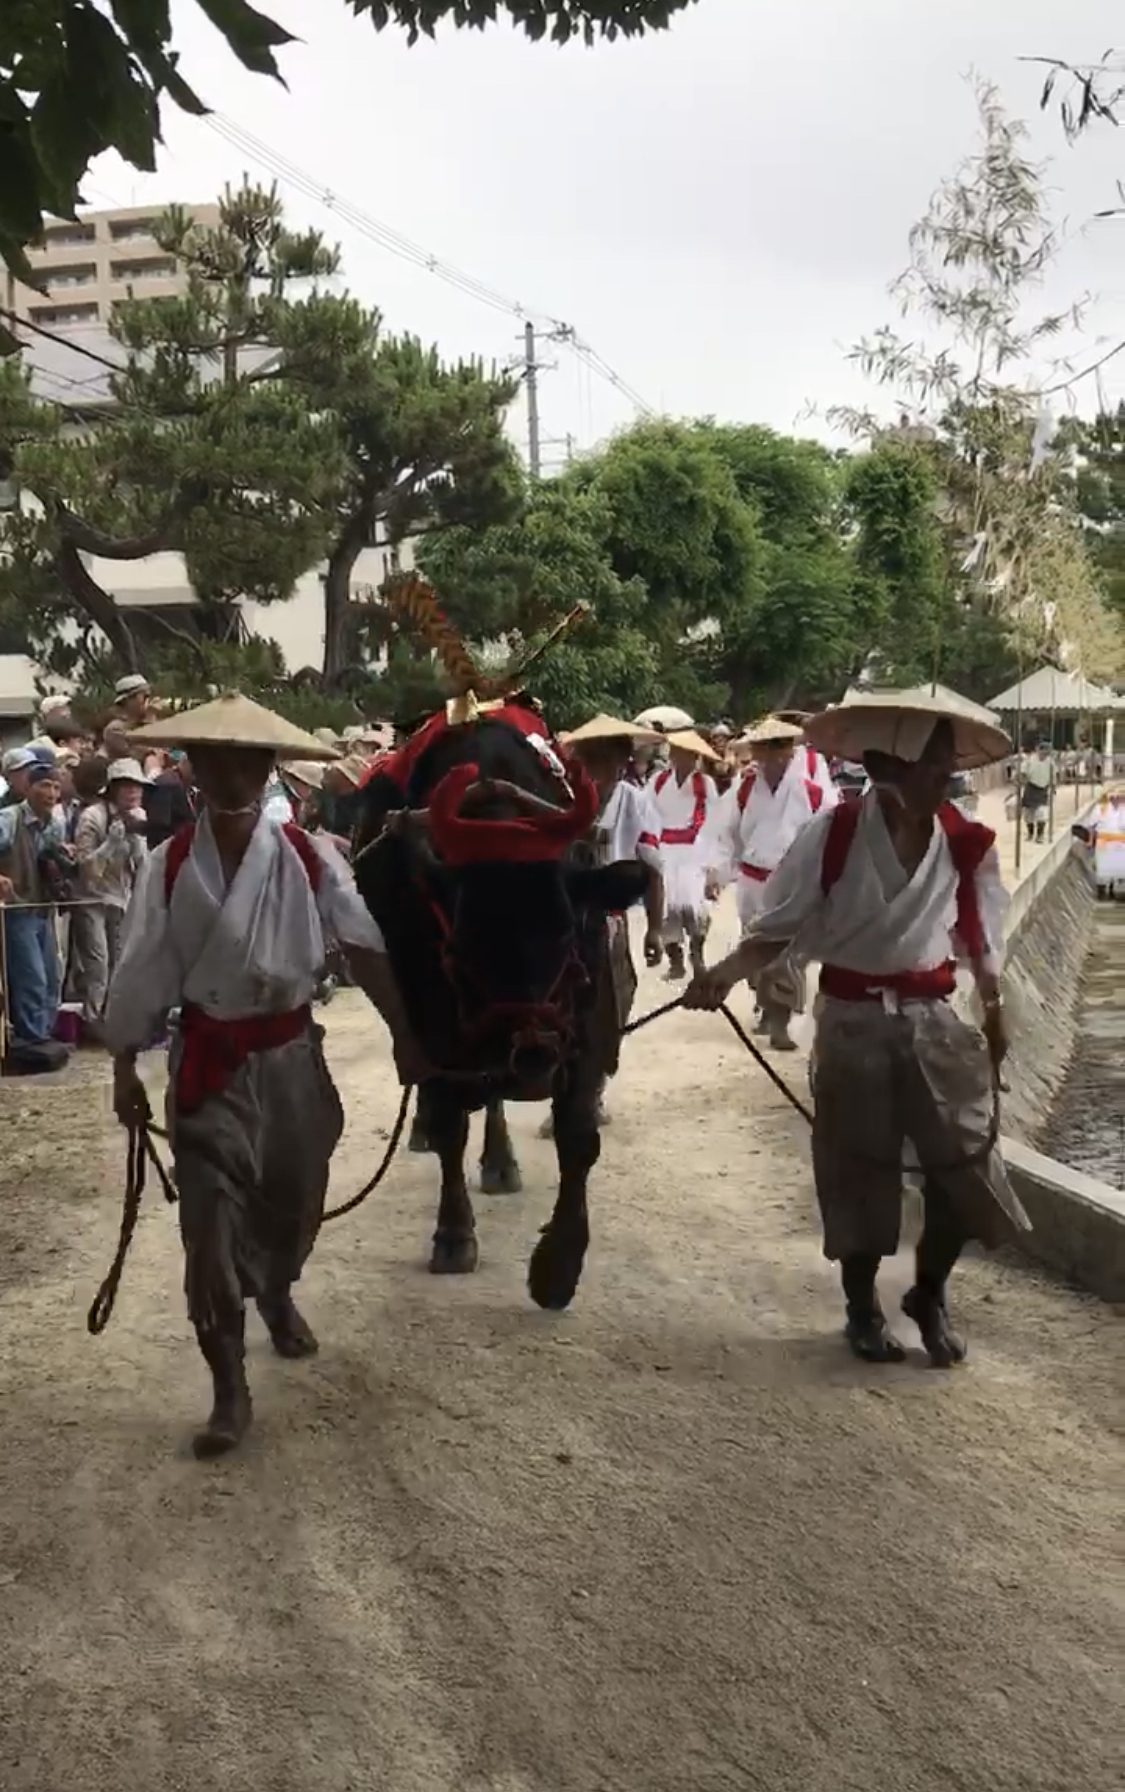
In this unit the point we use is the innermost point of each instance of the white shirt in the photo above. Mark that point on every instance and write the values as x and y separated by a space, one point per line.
688 813
876 919
631 826
256 946
759 825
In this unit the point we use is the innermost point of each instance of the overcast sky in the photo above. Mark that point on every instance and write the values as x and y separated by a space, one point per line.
717 210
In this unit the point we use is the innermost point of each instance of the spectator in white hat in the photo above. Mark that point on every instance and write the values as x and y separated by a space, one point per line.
110 847
132 706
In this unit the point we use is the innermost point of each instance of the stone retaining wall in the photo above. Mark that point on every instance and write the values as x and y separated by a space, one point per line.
1043 980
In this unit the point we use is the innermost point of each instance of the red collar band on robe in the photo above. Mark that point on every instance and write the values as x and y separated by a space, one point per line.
524 840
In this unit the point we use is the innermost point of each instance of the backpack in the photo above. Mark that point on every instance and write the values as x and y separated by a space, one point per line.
968 843
181 842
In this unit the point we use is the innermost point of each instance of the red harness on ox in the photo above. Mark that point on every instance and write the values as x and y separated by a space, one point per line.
760 874
689 835
213 1050
968 843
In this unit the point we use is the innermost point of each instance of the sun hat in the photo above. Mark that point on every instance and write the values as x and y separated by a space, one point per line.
883 722
305 771
603 727
130 685
686 740
125 771
665 718
771 728
16 759
232 721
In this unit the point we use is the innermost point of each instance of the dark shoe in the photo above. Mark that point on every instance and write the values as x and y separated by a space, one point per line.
232 1410
677 970
290 1333
872 1340
942 1344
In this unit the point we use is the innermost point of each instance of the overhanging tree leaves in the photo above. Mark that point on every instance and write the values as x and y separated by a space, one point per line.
81 76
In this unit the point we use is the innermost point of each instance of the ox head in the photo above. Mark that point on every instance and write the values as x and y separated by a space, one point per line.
515 920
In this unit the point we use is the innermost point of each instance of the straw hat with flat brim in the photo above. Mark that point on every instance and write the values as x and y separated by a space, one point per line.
603 727
688 741
771 728
882 723
232 721
304 771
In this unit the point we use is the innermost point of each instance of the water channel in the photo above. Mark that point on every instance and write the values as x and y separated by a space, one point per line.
1087 1124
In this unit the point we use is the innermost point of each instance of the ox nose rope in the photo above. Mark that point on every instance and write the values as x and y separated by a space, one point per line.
142 1152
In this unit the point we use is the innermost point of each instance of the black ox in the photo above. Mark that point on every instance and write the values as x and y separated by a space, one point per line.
502 962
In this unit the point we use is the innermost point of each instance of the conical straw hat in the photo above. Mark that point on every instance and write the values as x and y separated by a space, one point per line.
688 741
771 728
883 722
603 727
306 771
232 721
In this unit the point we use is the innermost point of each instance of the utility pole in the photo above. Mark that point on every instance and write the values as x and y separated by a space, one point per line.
531 377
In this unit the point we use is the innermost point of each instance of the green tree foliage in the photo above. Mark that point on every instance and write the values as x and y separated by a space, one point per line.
207 444
81 76
255 433
1100 446
507 586
424 449
1014 546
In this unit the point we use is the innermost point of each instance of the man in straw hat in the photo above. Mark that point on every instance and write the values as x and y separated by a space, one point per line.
888 893
627 828
761 817
688 805
228 923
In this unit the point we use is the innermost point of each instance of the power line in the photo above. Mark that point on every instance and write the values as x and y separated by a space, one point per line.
397 244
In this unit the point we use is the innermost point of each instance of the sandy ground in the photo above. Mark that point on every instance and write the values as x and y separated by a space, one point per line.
671 1541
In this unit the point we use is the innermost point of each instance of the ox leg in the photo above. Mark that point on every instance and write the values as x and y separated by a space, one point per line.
420 1132
499 1171
556 1262
455 1241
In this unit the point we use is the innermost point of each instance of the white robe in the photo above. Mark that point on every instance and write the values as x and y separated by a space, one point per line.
759 825
255 947
629 827
1109 852
689 839
876 919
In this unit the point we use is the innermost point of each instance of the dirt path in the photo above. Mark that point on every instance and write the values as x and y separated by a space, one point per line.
673 1541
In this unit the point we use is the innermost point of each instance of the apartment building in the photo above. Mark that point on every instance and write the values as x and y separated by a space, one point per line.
91 262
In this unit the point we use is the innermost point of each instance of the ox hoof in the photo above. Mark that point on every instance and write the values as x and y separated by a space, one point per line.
501 1179
419 1140
454 1254
555 1270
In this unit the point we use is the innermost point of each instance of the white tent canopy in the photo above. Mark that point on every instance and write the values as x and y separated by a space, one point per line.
1066 693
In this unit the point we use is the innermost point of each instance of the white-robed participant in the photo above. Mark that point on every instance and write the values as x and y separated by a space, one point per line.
627 830
228 923
1109 842
889 893
762 815
688 805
